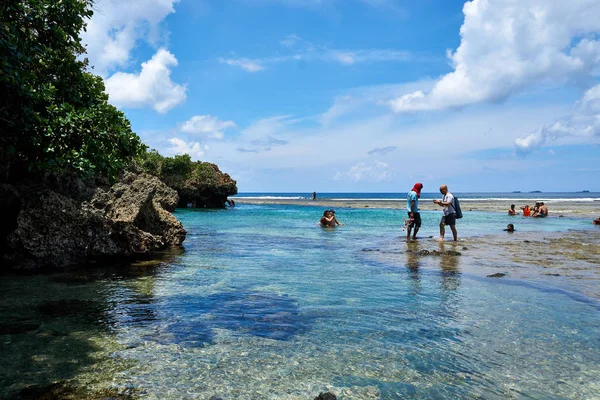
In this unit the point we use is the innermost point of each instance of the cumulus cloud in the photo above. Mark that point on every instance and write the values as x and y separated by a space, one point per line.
117 26
377 172
207 126
152 86
194 149
583 123
508 45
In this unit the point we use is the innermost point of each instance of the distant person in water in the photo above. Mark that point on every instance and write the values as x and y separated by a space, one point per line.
543 210
510 228
512 211
536 209
230 203
596 221
328 219
412 206
526 210
314 196
189 204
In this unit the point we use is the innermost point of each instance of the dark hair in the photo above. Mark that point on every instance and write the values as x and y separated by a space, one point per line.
512 206
511 226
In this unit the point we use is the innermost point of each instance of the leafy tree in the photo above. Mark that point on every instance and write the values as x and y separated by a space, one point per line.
54 114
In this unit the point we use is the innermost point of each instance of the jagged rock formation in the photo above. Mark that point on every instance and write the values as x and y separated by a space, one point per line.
206 186
61 221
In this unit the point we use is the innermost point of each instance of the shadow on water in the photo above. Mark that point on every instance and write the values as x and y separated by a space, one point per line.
57 326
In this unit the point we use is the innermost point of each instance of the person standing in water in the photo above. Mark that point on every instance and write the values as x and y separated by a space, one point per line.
449 217
412 206
314 196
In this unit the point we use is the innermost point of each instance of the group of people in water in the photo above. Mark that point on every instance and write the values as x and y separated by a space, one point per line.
540 210
450 208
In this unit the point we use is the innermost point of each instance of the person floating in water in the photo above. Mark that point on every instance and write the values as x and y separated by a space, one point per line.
512 211
596 221
328 219
510 228
314 196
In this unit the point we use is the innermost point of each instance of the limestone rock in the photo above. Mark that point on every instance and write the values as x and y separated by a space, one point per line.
55 229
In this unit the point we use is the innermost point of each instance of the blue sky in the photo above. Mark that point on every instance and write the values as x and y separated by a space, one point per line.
362 95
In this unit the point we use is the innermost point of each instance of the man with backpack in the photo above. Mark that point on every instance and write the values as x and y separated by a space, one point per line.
450 212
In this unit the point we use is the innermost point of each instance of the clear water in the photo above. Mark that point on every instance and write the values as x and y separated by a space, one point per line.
263 304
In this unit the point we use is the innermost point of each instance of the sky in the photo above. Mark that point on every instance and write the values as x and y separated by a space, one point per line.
362 95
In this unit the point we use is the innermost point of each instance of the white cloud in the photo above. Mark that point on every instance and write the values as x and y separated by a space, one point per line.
377 171
206 125
307 51
583 123
152 86
244 63
508 45
117 26
194 149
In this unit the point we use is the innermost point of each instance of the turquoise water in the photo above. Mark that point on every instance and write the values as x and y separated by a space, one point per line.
263 303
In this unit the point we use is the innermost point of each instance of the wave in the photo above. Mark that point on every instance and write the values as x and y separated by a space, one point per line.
532 200
270 198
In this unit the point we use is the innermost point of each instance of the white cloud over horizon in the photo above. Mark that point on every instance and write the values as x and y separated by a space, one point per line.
508 46
207 126
151 87
194 149
583 122
307 51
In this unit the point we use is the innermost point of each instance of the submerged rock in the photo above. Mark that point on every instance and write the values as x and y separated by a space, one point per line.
435 252
497 275
326 396
61 224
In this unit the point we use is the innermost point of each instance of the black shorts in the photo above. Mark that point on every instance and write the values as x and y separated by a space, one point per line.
449 219
417 217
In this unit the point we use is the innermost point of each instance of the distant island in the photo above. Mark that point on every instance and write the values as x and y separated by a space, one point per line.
536 191
516 191
584 191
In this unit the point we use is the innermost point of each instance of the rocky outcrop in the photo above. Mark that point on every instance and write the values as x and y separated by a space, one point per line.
206 187
70 223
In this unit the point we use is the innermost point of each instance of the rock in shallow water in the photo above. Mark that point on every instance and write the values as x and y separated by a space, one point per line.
497 275
57 227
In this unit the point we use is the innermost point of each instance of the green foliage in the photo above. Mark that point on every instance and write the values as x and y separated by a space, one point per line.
180 166
54 115
177 169
204 173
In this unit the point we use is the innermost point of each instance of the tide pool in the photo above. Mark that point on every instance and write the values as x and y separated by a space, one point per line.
264 304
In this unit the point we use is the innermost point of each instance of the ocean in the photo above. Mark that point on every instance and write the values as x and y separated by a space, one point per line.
487 196
262 303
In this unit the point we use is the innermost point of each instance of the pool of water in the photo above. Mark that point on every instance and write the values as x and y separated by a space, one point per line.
263 303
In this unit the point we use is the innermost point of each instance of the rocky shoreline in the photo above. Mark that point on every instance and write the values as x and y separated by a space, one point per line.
60 221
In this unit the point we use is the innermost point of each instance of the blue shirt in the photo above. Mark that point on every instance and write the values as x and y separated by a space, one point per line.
412 196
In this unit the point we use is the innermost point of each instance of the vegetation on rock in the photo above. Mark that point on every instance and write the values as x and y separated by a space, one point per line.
197 182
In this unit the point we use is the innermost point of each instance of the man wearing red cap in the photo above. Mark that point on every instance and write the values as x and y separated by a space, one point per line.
412 205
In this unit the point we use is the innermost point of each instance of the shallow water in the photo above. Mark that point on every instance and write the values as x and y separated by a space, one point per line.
265 304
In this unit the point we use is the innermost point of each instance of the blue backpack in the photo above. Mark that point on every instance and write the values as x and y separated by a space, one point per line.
457 210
